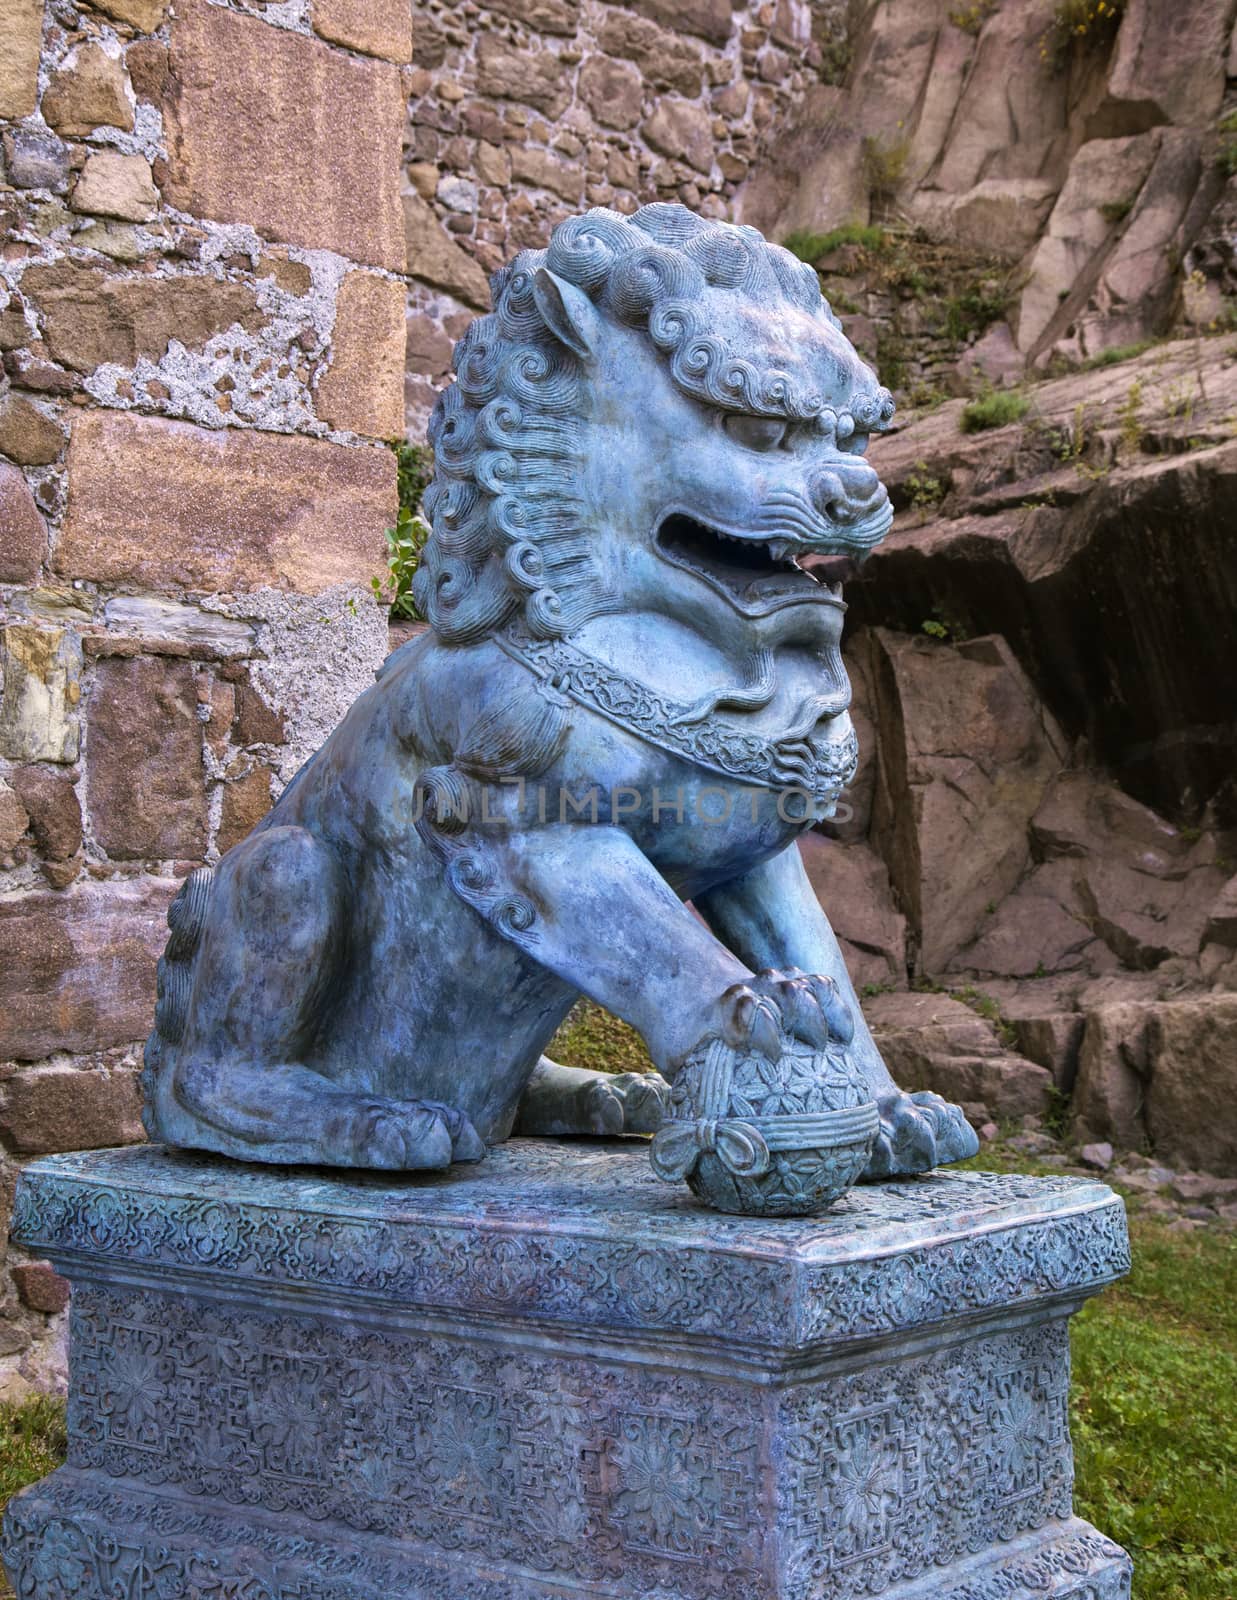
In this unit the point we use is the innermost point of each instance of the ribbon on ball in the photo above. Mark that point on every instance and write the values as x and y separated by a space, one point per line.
678 1145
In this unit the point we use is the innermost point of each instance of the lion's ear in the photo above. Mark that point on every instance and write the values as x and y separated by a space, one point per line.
567 312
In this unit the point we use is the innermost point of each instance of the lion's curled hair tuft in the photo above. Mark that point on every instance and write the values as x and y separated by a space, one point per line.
510 532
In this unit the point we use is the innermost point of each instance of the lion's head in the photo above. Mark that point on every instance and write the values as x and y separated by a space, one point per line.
661 412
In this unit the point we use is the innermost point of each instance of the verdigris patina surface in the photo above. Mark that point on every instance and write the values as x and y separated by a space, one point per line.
632 696
551 1375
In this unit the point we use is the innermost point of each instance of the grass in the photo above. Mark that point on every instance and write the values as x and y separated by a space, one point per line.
1154 1374
996 409
1117 353
1152 1417
591 1037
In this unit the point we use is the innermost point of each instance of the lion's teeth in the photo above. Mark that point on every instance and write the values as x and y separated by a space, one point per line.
779 549
835 589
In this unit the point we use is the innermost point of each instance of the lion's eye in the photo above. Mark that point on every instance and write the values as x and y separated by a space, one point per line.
756 433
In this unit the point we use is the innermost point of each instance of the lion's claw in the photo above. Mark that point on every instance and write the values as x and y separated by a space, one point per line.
918 1132
772 1004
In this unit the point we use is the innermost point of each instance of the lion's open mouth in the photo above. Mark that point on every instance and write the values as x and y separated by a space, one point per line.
754 573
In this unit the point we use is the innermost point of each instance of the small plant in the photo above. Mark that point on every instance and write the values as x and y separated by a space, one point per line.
1128 415
996 408
1076 439
811 247
925 490
407 539
1079 22
973 310
869 991
970 19
884 166
935 629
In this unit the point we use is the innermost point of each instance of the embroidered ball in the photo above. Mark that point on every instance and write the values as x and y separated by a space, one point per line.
765 1138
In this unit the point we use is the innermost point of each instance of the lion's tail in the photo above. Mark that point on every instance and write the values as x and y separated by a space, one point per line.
174 980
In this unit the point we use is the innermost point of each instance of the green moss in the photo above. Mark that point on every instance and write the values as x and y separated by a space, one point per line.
812 247
591 1037
996 409
974 309
1115 211
1226 155
971 18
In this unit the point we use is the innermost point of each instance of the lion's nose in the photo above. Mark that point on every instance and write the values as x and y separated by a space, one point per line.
847 491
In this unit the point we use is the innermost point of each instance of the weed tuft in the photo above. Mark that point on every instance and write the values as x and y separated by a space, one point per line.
997 408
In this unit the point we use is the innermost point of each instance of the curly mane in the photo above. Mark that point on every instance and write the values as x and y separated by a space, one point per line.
510 531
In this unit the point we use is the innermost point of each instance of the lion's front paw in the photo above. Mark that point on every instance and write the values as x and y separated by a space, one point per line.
405 1136
758 1012
918 1132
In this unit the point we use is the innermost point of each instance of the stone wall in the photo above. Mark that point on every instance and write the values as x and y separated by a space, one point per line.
522 112
202 303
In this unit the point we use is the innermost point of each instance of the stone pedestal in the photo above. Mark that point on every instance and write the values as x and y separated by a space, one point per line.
552 1376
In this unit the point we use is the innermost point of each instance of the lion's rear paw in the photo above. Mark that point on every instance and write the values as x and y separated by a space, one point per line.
561 1101
918 1132
406 1136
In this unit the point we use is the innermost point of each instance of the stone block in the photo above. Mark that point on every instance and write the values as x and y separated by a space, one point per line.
36 160
532 77
545 170
682 131
144 15
23 536
363 389
21 38
246 800
667 60
542 16
235 510
50 800
145 780
711 19
115 185
267 127
70 1108
435 258
86 93
42 690
85 977
40 1286
32 438
91 316
548 1375
13 820
612 90
375 27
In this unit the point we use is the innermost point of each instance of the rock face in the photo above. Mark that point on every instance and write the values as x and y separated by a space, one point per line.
1082 154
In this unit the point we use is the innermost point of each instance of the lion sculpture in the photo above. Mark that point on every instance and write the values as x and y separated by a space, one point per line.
631 697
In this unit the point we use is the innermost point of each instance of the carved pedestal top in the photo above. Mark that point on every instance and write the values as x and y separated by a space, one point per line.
582 1235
